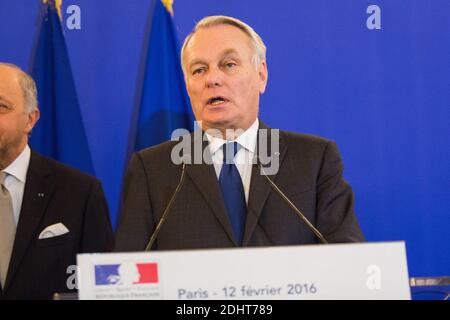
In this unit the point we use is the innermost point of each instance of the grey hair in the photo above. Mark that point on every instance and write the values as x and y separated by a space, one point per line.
28 87
212 21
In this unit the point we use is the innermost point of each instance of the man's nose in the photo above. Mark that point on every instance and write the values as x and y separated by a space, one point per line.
214 78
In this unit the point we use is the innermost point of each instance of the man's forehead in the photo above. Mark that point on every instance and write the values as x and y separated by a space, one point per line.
6 69
220 33
217 41
9 82
9 75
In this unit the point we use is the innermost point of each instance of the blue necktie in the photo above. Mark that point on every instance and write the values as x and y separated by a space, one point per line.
233 190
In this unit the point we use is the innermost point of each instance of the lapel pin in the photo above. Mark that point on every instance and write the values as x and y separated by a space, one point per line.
40 195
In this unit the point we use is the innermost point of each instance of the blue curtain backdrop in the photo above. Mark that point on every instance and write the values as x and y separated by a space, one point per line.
382 94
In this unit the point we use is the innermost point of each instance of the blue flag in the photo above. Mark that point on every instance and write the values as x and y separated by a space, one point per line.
59 133
164 105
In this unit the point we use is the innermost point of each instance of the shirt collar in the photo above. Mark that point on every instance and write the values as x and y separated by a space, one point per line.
19 167
247 139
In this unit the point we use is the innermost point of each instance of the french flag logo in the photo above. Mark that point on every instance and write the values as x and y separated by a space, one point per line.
126 273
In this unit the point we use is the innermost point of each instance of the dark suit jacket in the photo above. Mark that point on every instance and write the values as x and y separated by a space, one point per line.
38 268
310 174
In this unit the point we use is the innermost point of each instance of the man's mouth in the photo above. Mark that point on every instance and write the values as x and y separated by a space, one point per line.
214 101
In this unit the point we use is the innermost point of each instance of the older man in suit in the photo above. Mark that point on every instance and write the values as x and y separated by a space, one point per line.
48 212
226 201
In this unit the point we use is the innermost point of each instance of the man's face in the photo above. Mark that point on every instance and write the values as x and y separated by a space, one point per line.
222 82
15 123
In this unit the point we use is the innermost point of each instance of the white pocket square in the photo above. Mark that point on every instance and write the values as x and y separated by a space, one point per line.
54 230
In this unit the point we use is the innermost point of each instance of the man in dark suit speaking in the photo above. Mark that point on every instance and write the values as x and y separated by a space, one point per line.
48 212
226 200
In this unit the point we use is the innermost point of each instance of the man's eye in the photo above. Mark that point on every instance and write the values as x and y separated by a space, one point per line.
230 65
198 71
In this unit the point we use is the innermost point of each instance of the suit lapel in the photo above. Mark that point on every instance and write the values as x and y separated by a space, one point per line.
205 179
38 190
259 186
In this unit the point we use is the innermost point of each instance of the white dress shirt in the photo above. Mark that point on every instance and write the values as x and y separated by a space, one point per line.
243 158
15 180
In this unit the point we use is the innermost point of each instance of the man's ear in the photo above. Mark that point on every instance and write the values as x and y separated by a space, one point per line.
263 75
33 117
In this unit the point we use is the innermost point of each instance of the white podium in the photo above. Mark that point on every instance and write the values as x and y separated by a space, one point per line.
334 271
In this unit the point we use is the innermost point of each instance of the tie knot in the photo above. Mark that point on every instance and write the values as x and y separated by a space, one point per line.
229 151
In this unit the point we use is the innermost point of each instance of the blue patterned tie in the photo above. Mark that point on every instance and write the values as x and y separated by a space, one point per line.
233 190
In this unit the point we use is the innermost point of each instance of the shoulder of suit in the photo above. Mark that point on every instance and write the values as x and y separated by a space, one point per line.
290 137
59 170
159 153
159 148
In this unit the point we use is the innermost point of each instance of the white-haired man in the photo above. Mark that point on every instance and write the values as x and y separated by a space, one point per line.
225 201
48 212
